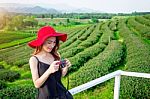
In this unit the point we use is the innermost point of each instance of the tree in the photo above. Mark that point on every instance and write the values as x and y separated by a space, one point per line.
30 21
43 16
94 20
15 23
52 16
60 23
67 21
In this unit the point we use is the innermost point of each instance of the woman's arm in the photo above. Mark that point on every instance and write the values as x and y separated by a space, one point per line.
64 71
34 71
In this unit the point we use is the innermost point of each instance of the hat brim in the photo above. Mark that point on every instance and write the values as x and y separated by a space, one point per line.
39 42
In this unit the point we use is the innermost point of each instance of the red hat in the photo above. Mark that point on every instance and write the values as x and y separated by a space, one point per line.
44 33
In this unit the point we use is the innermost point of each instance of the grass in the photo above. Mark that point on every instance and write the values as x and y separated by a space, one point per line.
102 91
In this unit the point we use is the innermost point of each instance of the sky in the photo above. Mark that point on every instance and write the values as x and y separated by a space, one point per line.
111 6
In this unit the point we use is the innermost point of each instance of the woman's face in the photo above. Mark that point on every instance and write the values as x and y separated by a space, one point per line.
49 44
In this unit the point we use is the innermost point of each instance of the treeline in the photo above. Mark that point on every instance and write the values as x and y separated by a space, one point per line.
88 15
85 15
17 22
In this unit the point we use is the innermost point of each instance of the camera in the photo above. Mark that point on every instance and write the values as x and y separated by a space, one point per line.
62 63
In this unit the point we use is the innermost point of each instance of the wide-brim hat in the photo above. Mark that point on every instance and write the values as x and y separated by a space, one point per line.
44 33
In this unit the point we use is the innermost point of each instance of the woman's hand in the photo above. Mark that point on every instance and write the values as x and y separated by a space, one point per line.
68 63
54 67
65 69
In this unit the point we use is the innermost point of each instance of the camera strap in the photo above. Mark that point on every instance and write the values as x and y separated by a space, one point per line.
67 82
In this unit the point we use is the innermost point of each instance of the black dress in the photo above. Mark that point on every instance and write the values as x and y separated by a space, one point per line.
50 89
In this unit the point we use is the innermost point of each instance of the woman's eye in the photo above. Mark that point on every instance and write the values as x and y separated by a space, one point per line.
49 42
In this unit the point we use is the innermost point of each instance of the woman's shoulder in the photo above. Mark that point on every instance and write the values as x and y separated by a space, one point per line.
33 59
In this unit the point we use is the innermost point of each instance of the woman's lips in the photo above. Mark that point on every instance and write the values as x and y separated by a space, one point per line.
50 48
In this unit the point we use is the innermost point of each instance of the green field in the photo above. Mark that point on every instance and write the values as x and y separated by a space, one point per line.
94 51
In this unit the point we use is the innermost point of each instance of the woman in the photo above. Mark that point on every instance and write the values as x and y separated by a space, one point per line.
45 64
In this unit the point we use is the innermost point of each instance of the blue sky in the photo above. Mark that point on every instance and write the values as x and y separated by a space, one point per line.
101 5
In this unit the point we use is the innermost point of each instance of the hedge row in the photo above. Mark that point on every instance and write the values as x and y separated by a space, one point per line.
19 92
137 60
107 34
1 66
75 44
6 36
72 52
22 56
87 33
22 61
91 40
26 67
74 31
7 52
69 37
142 20
8 75
99 65
2 84
73 39
78 60
142 29
17 42
147 16
20 52
113 24
78 40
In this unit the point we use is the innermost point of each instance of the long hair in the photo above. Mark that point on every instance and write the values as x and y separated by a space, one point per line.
54 51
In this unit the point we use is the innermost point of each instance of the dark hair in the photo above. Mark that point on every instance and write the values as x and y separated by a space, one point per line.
54 51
